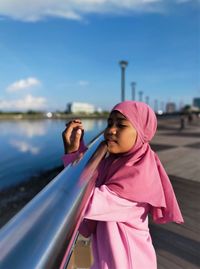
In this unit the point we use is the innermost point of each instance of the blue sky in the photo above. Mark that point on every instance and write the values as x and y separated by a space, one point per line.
54 52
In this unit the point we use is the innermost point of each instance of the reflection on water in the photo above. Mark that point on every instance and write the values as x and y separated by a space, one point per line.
23 128
29 129
28 147
88 125
23 146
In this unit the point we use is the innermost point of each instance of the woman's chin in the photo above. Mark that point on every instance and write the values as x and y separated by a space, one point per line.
113 150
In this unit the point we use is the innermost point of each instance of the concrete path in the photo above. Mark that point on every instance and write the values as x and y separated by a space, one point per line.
178 246
179 151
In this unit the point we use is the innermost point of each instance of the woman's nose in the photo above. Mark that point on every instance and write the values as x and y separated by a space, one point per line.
112 130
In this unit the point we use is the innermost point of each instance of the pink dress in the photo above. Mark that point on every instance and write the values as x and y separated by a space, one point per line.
121 238
135 184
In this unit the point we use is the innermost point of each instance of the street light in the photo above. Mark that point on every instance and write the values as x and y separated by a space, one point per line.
147 100
155 105
133 85
123 65
140 96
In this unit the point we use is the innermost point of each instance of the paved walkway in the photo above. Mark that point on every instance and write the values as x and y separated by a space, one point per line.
179 151
177 246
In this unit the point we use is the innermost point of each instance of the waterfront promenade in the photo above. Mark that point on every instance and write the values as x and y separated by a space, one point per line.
177 246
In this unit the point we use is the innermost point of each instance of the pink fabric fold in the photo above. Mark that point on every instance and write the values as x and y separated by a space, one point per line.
138 175
71 157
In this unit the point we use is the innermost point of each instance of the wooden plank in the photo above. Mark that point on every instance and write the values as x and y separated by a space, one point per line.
178 246
166 261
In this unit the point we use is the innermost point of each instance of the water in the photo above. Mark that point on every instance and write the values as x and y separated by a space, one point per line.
28 147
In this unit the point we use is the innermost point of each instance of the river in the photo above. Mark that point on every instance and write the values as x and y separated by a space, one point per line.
29 147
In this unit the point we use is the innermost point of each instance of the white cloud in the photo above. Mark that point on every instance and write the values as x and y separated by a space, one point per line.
23 146
26 103
75 9
83 83
23 84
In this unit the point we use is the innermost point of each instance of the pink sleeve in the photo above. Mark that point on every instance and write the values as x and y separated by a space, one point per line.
105 205
69 158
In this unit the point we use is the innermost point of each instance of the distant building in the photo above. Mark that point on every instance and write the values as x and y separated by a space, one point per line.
170 107
196 102
76 107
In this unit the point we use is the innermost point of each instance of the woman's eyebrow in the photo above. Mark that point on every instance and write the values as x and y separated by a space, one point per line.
118 119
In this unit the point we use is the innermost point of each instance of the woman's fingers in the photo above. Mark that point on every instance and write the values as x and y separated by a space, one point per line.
77 138
72 135
75 124
76 121
71 129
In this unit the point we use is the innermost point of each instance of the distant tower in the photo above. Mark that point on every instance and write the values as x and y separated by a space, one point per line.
123 65
181 105
147 100
162 106
170 107
133 85
140 96
156 105
196 102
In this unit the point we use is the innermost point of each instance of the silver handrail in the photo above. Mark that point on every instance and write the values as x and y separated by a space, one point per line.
42 234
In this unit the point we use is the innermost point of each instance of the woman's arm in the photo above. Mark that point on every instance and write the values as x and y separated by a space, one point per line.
70 157
105 205
73 141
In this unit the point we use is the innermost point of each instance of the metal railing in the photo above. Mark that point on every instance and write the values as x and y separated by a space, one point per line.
42 234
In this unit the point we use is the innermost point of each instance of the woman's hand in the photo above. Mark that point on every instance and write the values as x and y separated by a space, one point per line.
72 136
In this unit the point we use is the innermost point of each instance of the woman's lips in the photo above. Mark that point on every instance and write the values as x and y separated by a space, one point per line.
111 141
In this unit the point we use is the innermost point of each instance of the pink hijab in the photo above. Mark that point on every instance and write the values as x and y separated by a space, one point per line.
138 175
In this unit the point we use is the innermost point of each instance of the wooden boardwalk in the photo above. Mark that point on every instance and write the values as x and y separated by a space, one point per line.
177 246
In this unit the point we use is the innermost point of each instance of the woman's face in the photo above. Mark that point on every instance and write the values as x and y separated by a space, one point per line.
120 135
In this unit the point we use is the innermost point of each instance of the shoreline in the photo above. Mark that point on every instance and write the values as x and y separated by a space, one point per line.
14 198
54 116
57 116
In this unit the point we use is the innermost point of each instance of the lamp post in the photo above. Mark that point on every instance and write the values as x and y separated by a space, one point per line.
123 65
140 96
147 100
133 85
155 105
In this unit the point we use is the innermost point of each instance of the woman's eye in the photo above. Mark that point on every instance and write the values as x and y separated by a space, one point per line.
117 124
121 125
